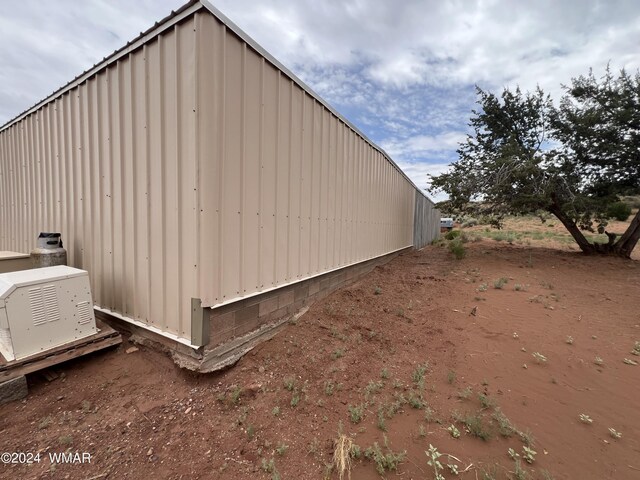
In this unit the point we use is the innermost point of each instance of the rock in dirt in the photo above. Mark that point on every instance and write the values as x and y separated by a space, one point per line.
131 350
150 452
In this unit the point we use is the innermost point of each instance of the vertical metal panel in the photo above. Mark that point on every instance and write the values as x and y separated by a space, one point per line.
250 143
231 258
293 132
193 168
268 179
426 225
315 187
306 186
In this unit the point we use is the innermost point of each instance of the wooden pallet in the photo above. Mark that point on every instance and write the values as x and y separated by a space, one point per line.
106 337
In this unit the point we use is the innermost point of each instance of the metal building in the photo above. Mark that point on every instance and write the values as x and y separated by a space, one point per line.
190 170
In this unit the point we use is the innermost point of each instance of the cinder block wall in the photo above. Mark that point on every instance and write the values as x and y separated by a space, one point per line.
242 317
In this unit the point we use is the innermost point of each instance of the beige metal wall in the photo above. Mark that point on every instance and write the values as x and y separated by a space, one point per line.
111 165
290 190
193 167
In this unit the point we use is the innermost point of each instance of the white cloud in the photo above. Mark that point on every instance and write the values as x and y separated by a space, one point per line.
403 72
419 173
424 145
493 43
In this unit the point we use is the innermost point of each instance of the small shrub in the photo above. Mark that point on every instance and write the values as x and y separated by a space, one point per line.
382 423
372 387
356 413
500 283
632 201
338 353
505 427
451 377
486 401
415 400
68 439
44 423
519 473
235 395
385 461
328 387
289 383
270 467
418 374
527 438
476 427
619 211
456 247
452 235
356 451
464 394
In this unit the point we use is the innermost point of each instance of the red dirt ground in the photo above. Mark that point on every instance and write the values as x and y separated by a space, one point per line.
140 416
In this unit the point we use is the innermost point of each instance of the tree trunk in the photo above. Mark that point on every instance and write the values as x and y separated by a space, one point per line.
573 229
623 247
627 242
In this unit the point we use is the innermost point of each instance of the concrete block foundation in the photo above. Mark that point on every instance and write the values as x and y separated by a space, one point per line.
234 329
14 389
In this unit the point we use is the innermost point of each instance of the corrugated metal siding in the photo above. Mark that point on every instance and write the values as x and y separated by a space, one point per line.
426 221
289 190
193 167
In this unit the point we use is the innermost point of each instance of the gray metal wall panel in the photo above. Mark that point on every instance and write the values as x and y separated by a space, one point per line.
426 223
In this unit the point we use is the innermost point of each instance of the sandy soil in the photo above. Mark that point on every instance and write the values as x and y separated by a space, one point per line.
140 416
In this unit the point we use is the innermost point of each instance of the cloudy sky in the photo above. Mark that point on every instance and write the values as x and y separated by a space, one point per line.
402 71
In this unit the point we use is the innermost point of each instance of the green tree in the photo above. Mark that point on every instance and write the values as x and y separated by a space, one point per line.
574 160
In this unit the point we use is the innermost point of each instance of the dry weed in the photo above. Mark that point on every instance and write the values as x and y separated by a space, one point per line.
342 456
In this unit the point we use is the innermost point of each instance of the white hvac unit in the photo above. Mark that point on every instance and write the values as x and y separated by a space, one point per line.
42 309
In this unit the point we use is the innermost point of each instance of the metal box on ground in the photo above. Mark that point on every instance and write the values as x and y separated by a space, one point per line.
14 261
44 308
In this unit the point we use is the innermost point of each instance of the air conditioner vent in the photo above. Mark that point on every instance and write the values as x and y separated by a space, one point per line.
36 302
84 313
50 296
44 304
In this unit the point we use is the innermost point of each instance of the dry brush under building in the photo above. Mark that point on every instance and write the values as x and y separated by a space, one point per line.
207 190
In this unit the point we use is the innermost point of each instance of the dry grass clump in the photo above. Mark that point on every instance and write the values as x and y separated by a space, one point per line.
342 456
